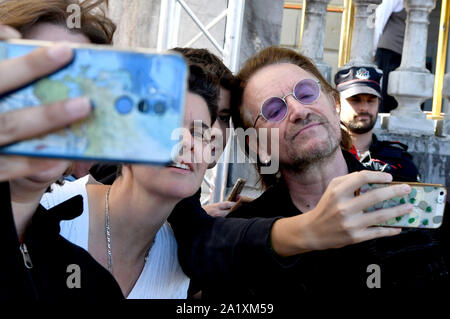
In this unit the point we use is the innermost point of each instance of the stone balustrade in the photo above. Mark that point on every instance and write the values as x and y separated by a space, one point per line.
411 84
446 94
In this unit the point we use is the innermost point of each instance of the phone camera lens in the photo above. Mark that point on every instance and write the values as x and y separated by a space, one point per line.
160 107
144 106
124 104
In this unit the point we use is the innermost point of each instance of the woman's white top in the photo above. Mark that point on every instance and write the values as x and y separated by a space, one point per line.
161 277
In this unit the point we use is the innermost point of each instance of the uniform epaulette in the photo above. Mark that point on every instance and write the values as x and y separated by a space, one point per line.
395 144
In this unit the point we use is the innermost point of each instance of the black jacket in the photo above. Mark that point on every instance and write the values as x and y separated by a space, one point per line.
50 276
231 258
391 157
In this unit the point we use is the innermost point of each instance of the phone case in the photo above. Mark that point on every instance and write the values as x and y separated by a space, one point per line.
428 201
137 96
237 189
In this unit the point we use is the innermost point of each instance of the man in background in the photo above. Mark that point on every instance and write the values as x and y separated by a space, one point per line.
360 94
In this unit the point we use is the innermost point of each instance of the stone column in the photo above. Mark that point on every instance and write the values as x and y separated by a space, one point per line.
446 94
411 84
314 34
361 53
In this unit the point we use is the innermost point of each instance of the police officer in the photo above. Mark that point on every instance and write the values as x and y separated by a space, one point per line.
360 92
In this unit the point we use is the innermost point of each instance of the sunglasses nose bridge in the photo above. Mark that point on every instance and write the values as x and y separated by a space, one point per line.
284 97
296 109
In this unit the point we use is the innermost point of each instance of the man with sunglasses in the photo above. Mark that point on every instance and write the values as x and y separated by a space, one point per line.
319 238
360 92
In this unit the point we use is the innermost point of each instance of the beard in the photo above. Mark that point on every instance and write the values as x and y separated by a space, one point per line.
357 126
303 158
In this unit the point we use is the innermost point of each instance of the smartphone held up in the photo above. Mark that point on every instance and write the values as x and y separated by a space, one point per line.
428 202
137 98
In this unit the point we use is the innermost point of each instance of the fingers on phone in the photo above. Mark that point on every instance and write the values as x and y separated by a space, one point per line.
33 121
375 196
383 215
27 68
353 181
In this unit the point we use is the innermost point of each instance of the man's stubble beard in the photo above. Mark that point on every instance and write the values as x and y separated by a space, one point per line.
357 127
302 161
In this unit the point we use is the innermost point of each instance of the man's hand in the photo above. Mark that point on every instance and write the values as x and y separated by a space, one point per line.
338 219
30 122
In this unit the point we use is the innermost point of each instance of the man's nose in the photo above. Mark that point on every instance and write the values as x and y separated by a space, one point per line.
363 106
296 110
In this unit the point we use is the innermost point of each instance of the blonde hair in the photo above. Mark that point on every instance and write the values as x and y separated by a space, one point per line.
24 14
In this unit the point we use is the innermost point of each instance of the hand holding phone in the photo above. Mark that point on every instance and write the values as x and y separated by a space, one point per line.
428 201
137 98
32 122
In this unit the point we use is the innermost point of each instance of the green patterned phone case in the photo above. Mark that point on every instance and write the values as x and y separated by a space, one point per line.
428 201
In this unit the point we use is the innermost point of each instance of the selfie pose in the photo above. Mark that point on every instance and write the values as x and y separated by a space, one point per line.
324 243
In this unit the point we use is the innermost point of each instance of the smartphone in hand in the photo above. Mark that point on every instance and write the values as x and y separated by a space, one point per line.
237 189
137 97
428 201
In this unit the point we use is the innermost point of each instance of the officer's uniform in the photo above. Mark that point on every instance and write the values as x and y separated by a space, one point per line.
390 157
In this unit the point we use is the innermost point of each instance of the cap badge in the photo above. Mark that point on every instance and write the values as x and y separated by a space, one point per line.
363 74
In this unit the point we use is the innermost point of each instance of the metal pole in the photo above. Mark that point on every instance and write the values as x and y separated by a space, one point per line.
200 25
441 60
302 25
233 34
346 33
207 27
167 25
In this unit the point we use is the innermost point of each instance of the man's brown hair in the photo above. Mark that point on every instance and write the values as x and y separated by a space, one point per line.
266 57
24 14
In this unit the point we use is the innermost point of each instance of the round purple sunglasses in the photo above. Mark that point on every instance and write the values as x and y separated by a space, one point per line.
275 108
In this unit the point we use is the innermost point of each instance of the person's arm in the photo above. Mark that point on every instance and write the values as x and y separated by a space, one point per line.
382 15
218 249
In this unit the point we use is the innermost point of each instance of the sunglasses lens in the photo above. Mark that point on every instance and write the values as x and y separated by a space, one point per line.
307 91
274 109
